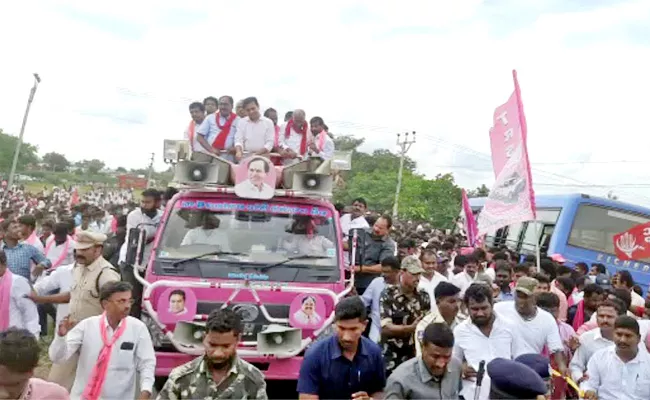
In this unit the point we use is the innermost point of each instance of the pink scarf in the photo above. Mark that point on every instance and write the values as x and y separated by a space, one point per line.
321 140
64 253
579 317
98 376
276 139
5 298
32 238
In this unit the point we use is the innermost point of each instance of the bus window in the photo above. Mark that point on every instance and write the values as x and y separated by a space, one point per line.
545 224
594 227
512 240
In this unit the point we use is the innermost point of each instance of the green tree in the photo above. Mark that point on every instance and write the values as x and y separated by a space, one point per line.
56 162
28 153
481 191
120 170
374 177
91 167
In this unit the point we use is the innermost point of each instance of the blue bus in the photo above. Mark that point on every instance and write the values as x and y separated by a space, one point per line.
580 228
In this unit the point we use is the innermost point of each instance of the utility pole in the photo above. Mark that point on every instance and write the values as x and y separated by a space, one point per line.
14 164
150 171
404 145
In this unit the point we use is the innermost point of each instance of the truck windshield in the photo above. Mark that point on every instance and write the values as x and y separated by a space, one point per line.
253 233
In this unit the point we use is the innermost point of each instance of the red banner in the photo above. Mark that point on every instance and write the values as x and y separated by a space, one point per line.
633 244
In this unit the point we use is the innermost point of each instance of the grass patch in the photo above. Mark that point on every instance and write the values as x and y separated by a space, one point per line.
44 363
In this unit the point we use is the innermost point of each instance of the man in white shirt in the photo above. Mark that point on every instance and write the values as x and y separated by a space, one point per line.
620 372
146 217
431 277
113 345
484 336
468 275
624 280
60 251
295 137
208 233
255 133
197 113
59 281
536 329
321 144
353 220
255 186
596 339
16 310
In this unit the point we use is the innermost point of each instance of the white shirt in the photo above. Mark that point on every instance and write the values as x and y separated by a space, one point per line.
472 345
314 246
22 311
462 281
327 152
590 342
211 237
247 190
347 224
195 145
429 286
613 379
61 279
86 340
255 136
637 301
55 251
149 225
534 334
293 141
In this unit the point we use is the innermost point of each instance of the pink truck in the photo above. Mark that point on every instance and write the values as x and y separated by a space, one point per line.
275 255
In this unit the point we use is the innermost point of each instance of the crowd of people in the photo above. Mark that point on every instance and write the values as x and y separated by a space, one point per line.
428 317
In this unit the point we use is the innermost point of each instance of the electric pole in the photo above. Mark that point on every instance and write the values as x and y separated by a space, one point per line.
150 171
404 145
14 164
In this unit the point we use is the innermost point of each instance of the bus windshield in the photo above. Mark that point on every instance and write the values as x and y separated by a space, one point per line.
594 227
253 233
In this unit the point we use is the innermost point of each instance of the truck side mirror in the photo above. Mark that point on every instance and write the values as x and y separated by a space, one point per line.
135 246
357 255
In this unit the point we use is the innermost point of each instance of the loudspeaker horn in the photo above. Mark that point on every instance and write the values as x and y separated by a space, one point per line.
194 172
279 339
189 333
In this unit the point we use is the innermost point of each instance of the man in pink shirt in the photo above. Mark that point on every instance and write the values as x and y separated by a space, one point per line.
18 358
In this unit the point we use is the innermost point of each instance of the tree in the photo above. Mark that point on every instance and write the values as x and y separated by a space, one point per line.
481 191
56 162
91 167
28 153
374 177
121 170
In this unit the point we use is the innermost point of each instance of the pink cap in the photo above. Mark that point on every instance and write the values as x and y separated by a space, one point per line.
466 250
558 258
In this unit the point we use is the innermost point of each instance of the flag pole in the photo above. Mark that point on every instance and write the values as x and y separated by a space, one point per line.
524 137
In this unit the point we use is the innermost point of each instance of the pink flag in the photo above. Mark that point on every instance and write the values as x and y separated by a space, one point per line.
470 222
512 198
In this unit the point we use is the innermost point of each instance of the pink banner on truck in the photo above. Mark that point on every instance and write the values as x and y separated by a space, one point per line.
512 198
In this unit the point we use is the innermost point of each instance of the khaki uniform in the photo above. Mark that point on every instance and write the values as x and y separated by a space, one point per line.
84 303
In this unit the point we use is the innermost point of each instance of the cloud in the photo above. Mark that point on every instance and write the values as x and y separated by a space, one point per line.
117 78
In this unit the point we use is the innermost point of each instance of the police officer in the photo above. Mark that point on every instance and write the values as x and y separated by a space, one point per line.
514 380
539 364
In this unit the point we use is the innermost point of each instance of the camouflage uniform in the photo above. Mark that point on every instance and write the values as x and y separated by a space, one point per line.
194 381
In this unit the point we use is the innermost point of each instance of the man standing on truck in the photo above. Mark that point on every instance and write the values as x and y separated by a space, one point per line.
217 132
295 137
220 373
255 133
197 112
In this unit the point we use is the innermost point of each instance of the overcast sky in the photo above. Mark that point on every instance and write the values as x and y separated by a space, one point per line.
118 77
